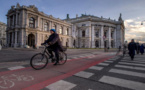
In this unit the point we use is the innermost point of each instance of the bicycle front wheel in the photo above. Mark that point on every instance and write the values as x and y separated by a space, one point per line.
39 61
63 58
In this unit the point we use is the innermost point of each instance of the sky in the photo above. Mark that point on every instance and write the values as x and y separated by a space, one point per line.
133 11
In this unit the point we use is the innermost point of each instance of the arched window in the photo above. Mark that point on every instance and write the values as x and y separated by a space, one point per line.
97 33
60 30
105 33
112 34
83 33
46 27
31 22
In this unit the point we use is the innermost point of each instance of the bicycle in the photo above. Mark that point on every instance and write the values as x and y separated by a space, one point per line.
40 60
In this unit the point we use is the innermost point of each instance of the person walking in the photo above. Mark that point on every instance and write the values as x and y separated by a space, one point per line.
137 48
132 48
142 49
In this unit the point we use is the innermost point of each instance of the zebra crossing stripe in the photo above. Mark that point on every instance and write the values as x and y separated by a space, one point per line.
84 74
130 67
123 83
126 72
104 64
131 63
61 85
16 67
96 68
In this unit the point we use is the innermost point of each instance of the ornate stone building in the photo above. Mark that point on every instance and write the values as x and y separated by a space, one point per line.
2 34
97 32
28 26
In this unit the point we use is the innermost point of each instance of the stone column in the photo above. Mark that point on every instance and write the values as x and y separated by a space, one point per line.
22 38
50 25
42 24
89 31
109 36
93 42
16 19
69 31
13 20
102 36
57 28
15 45
8 25
38 22
7 39
12 39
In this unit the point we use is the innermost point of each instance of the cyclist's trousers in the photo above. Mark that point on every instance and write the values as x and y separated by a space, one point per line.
56 51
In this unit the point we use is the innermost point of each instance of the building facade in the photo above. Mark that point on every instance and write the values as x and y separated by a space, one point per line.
97 32
26 26
2 34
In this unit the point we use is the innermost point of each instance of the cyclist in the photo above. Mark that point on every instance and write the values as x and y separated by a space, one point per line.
55 45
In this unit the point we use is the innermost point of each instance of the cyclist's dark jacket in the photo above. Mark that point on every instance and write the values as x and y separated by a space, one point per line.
54 41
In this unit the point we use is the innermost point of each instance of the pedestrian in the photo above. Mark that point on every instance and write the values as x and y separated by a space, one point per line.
137 48
124 49
132 48
119 48
142 49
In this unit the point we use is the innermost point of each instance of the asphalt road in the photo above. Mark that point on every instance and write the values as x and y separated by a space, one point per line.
23 77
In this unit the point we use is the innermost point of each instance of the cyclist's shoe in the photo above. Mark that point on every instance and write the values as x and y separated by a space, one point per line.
56 63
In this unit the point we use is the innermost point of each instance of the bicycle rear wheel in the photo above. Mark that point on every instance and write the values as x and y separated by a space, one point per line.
63 58
39 61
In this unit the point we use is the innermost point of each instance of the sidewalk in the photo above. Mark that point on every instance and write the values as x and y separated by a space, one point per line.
21 54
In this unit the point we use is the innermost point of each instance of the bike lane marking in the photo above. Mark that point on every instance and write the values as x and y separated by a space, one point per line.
16 67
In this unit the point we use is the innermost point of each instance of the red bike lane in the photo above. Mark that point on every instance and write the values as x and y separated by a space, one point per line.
30 79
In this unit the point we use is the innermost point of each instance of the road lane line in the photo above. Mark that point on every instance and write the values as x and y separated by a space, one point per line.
123 83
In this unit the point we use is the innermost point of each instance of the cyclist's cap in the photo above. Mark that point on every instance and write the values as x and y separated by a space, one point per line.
53 30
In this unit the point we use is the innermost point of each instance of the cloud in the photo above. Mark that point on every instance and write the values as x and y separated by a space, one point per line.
134 30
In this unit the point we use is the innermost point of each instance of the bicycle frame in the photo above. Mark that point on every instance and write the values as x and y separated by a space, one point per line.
45 51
